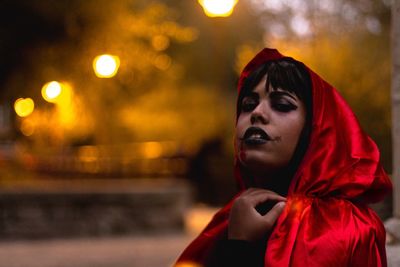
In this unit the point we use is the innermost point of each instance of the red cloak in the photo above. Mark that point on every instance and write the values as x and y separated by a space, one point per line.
326 221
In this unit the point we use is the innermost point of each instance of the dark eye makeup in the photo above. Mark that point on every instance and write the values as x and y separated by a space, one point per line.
280 101
283 107
249 102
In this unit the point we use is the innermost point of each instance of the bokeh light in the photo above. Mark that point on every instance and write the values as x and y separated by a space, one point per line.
187 264
218 8
27 127
160 42
106 66
152 150
51 91
24 106
162 62
59 93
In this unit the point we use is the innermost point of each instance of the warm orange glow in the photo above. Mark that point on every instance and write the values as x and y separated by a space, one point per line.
59 93
24 106
187 264
162 62
88 154
218 8
160 42
27 127
51 91
106 66
152 150
197 218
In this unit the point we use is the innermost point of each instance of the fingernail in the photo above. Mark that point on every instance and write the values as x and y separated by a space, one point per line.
282 204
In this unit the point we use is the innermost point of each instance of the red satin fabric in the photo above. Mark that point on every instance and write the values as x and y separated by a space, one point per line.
326 221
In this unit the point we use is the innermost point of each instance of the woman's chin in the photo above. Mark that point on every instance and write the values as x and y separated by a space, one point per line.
259 166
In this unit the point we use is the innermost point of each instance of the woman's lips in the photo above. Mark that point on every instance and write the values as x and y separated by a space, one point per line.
255 136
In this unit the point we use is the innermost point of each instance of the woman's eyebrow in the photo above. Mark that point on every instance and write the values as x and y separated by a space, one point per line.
282 93
251 94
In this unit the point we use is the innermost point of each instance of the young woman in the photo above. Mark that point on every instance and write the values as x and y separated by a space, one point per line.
307 172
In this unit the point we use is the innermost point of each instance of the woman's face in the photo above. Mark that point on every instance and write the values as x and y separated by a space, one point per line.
268 128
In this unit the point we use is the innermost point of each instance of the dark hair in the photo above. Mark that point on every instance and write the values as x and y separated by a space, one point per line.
292 76
286 74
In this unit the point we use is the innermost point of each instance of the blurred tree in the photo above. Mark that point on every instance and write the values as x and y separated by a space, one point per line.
140 33
174 83
160 81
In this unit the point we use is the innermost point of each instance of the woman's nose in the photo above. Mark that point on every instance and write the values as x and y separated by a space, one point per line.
260 114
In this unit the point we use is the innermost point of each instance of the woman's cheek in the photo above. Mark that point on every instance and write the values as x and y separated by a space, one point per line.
242 153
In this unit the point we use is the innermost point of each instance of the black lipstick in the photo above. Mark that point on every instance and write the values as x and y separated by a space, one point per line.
255 136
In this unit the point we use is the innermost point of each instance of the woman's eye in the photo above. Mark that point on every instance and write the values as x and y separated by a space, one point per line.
283 106
249 104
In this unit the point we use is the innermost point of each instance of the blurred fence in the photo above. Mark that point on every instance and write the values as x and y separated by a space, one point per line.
146 159
94 191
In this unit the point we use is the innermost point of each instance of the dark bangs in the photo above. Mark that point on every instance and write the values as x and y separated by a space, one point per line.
286 74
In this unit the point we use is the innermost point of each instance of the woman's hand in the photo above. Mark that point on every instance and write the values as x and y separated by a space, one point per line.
245 222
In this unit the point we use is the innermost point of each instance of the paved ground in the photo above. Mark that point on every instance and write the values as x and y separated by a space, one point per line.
150 251
145 251
132 251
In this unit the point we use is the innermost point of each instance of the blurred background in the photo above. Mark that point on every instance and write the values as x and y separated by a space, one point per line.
117 117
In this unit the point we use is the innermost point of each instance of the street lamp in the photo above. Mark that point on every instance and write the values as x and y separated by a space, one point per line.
106 66
218 8
221 64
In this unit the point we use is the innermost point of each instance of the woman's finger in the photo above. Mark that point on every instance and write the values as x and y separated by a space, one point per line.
261 197
263 192
258 191
271 216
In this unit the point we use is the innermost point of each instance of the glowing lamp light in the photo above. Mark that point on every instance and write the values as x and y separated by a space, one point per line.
160 42
24 106
188 264
51 91
152 150
106 66
218 8
27 127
